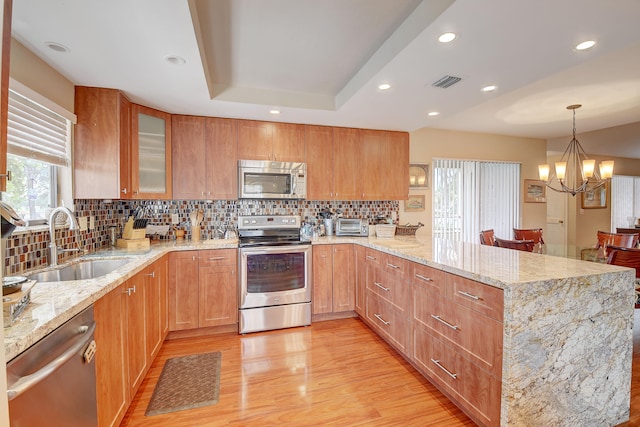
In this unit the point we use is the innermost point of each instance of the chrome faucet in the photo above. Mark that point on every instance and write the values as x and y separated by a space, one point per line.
73 225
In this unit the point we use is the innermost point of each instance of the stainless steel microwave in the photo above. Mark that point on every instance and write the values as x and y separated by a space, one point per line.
261 179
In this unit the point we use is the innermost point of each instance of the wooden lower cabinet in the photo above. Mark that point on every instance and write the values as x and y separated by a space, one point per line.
112 385
360 253
130 330
449 327
203 288
333 278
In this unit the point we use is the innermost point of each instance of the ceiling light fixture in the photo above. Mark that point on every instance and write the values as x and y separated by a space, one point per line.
384 86
574 161
175 59
274 111
447 37
585 45
433 113
489 88
57 47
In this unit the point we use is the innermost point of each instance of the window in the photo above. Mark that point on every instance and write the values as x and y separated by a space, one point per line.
625 201
38 153
470 196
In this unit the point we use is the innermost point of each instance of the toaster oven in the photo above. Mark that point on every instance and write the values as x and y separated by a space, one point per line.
352 227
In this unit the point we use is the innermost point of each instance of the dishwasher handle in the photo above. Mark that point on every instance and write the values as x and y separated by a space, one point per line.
28 381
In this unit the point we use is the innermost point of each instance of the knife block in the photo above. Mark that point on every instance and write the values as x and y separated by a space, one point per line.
130 233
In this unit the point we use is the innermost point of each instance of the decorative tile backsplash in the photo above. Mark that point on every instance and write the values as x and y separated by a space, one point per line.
27 250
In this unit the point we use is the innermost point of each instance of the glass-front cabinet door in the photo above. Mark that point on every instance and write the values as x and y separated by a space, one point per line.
150 153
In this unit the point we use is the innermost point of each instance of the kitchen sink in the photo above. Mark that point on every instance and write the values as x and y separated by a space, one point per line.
83 270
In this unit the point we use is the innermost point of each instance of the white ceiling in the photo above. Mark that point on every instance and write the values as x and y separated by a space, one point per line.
321 61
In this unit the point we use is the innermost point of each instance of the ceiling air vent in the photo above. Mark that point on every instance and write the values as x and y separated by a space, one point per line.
446 81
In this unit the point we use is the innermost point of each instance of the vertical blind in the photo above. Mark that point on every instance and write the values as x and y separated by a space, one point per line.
36 132
470 196
625 200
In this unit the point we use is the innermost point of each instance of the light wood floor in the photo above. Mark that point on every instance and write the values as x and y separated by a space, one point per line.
334 373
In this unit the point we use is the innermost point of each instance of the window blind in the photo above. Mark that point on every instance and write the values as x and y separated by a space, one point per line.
625 201
470 196
34 131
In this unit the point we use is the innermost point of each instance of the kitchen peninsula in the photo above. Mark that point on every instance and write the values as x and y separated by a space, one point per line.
566 339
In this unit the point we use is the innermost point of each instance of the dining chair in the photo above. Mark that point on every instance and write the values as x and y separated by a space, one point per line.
534 234
487 237
621 230
625 240
521 245
626 257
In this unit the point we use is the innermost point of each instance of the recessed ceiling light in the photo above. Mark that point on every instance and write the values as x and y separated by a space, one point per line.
274 111
433 113
585 45
175 59
384 86
447 37
489 88
57 47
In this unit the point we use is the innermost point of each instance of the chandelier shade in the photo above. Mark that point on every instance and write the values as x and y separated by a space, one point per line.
575 172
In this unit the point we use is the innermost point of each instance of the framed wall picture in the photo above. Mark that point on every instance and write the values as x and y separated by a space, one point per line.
415 203
535 191
419 176
595 198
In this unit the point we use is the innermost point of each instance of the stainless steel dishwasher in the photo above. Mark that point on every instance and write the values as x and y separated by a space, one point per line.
53 383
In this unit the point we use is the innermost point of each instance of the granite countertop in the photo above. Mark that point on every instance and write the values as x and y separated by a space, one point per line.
54 303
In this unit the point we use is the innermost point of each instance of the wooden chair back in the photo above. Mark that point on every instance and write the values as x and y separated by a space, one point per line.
534 234
624 240
521 245
625 257
620 230
487 237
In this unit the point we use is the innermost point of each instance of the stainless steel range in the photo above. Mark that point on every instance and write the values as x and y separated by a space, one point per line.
275 273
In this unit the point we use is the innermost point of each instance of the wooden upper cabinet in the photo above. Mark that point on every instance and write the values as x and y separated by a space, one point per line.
204 164
101 159
221 140
150 153
395 180
188 150
319 162
347 164
283 142
288 143
385 165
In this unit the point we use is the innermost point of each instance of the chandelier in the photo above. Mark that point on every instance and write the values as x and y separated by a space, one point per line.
575 172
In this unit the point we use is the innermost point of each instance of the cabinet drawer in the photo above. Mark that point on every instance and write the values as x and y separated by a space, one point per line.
217 257
373 257
396 267
477 337
390 322
427 276
477 296
393 289
475 389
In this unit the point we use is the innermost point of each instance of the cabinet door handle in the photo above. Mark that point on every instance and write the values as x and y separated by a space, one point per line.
217 258
131 290
323 256
444 322
468 295
193 258
381 287
426 279
124 190
371 257
392 265
381 319
452 375
153 274
8 175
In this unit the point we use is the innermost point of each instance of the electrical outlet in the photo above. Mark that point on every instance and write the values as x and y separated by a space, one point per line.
175 219
92 223
82 222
